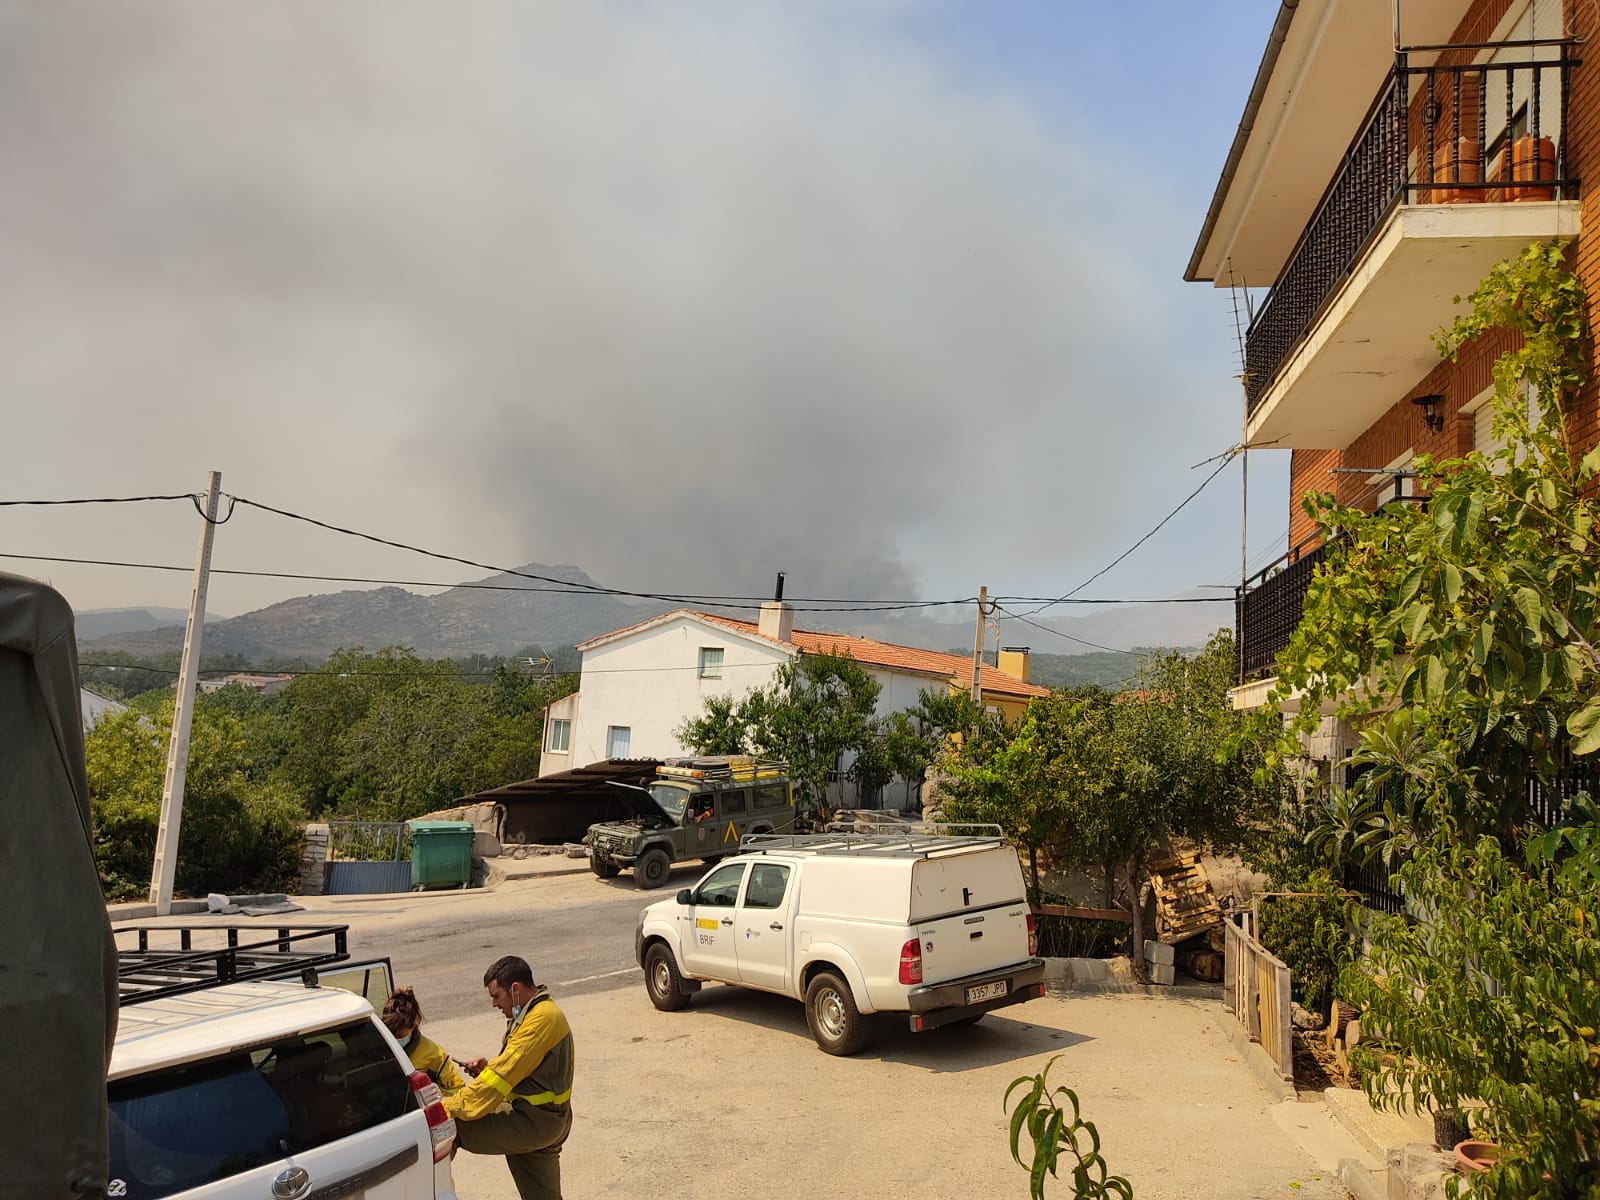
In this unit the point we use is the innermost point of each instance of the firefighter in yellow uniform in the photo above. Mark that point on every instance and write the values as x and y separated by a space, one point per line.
519 1103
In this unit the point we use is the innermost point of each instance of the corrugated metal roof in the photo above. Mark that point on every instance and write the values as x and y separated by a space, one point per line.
561 807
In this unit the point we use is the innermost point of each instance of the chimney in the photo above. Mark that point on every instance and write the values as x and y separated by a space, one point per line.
777 618
1013 661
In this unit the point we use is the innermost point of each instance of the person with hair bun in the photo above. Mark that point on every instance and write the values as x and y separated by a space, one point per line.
403 1017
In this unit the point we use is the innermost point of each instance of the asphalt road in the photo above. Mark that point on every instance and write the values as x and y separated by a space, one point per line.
576 949
732 1097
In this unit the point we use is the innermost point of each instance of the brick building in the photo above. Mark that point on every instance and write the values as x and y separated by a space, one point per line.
1389 155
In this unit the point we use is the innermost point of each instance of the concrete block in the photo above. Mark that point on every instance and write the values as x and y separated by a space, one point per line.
1159 953
486 845
1163 973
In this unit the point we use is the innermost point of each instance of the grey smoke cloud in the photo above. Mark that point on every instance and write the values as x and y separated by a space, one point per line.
682 294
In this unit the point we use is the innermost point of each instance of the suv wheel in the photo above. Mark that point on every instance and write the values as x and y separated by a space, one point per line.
606 870
831 1013
662 981
651 871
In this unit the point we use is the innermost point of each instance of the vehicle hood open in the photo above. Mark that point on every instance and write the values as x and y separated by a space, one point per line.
641 803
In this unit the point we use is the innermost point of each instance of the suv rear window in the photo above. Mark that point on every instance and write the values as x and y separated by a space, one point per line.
197 1123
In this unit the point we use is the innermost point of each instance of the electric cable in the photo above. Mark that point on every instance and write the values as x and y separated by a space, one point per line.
819 604
99 500
1227 457
1081 641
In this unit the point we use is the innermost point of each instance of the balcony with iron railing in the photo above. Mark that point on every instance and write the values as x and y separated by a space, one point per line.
1456 165
1268 607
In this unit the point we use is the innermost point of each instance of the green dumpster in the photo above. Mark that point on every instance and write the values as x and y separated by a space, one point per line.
441 854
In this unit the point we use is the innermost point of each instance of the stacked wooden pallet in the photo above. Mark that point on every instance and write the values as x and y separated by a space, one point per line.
1185 904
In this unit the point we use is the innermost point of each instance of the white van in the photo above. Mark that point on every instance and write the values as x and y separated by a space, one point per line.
935 926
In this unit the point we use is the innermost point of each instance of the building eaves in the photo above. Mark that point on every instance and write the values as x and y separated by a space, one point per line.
1241 137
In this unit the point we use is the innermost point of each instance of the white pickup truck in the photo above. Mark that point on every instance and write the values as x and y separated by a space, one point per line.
935 926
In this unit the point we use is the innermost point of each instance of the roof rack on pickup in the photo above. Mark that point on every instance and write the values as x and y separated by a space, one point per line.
888 840
155 967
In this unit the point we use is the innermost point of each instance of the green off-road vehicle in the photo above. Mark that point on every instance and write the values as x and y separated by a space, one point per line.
692 808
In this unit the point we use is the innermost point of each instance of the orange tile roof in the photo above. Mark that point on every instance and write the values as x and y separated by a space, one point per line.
868 651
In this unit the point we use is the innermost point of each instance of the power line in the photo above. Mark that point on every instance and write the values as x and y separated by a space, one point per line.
98 500
812 604
731 601
830 605
1081 641
1227 457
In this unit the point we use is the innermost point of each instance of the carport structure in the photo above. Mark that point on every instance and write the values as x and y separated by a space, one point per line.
561 807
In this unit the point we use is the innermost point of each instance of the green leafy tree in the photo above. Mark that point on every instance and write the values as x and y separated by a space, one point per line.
817 708
1474 620
1045 785
1106 780
237 834
720 728
1492 998
1476 613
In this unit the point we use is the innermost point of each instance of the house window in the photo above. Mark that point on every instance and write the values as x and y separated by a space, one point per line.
1483 409
1396 482
710 662
560 736
618 738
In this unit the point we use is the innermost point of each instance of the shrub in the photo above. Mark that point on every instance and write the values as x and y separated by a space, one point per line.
1311 934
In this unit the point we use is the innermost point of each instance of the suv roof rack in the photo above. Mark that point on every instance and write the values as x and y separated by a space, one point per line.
154 968
719 768
887 840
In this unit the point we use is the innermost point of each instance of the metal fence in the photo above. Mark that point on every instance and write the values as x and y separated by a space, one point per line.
366 858
1548 803
367 841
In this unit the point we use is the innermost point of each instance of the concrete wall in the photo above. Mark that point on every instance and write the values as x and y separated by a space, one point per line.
650 682
564 709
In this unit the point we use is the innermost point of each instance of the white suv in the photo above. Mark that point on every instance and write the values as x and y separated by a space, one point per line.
265 1089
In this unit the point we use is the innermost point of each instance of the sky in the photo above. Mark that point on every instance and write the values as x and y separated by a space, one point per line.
884 294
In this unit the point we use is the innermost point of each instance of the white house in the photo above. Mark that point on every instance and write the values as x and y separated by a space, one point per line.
641 683
95 706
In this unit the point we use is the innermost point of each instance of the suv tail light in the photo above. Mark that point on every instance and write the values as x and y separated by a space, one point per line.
1033 936
911 961
441 1128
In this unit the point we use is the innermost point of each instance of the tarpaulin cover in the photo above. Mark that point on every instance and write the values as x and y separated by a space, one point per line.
58 963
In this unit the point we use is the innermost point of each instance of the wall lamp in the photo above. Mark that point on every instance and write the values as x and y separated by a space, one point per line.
1431 416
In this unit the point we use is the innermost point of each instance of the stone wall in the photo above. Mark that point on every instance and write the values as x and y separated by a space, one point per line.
486 817
313 859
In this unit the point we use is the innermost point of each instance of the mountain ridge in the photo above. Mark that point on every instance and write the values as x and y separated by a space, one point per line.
504 613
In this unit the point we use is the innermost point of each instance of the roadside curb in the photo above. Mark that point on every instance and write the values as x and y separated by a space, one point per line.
135 910
1102 975
1259 1061
498 876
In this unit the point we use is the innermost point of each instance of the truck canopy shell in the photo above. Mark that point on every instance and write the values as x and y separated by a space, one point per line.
58 963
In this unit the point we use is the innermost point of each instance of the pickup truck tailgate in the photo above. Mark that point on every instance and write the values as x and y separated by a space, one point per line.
974 942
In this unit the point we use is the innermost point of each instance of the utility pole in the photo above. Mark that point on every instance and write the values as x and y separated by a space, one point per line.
166 864
977 646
